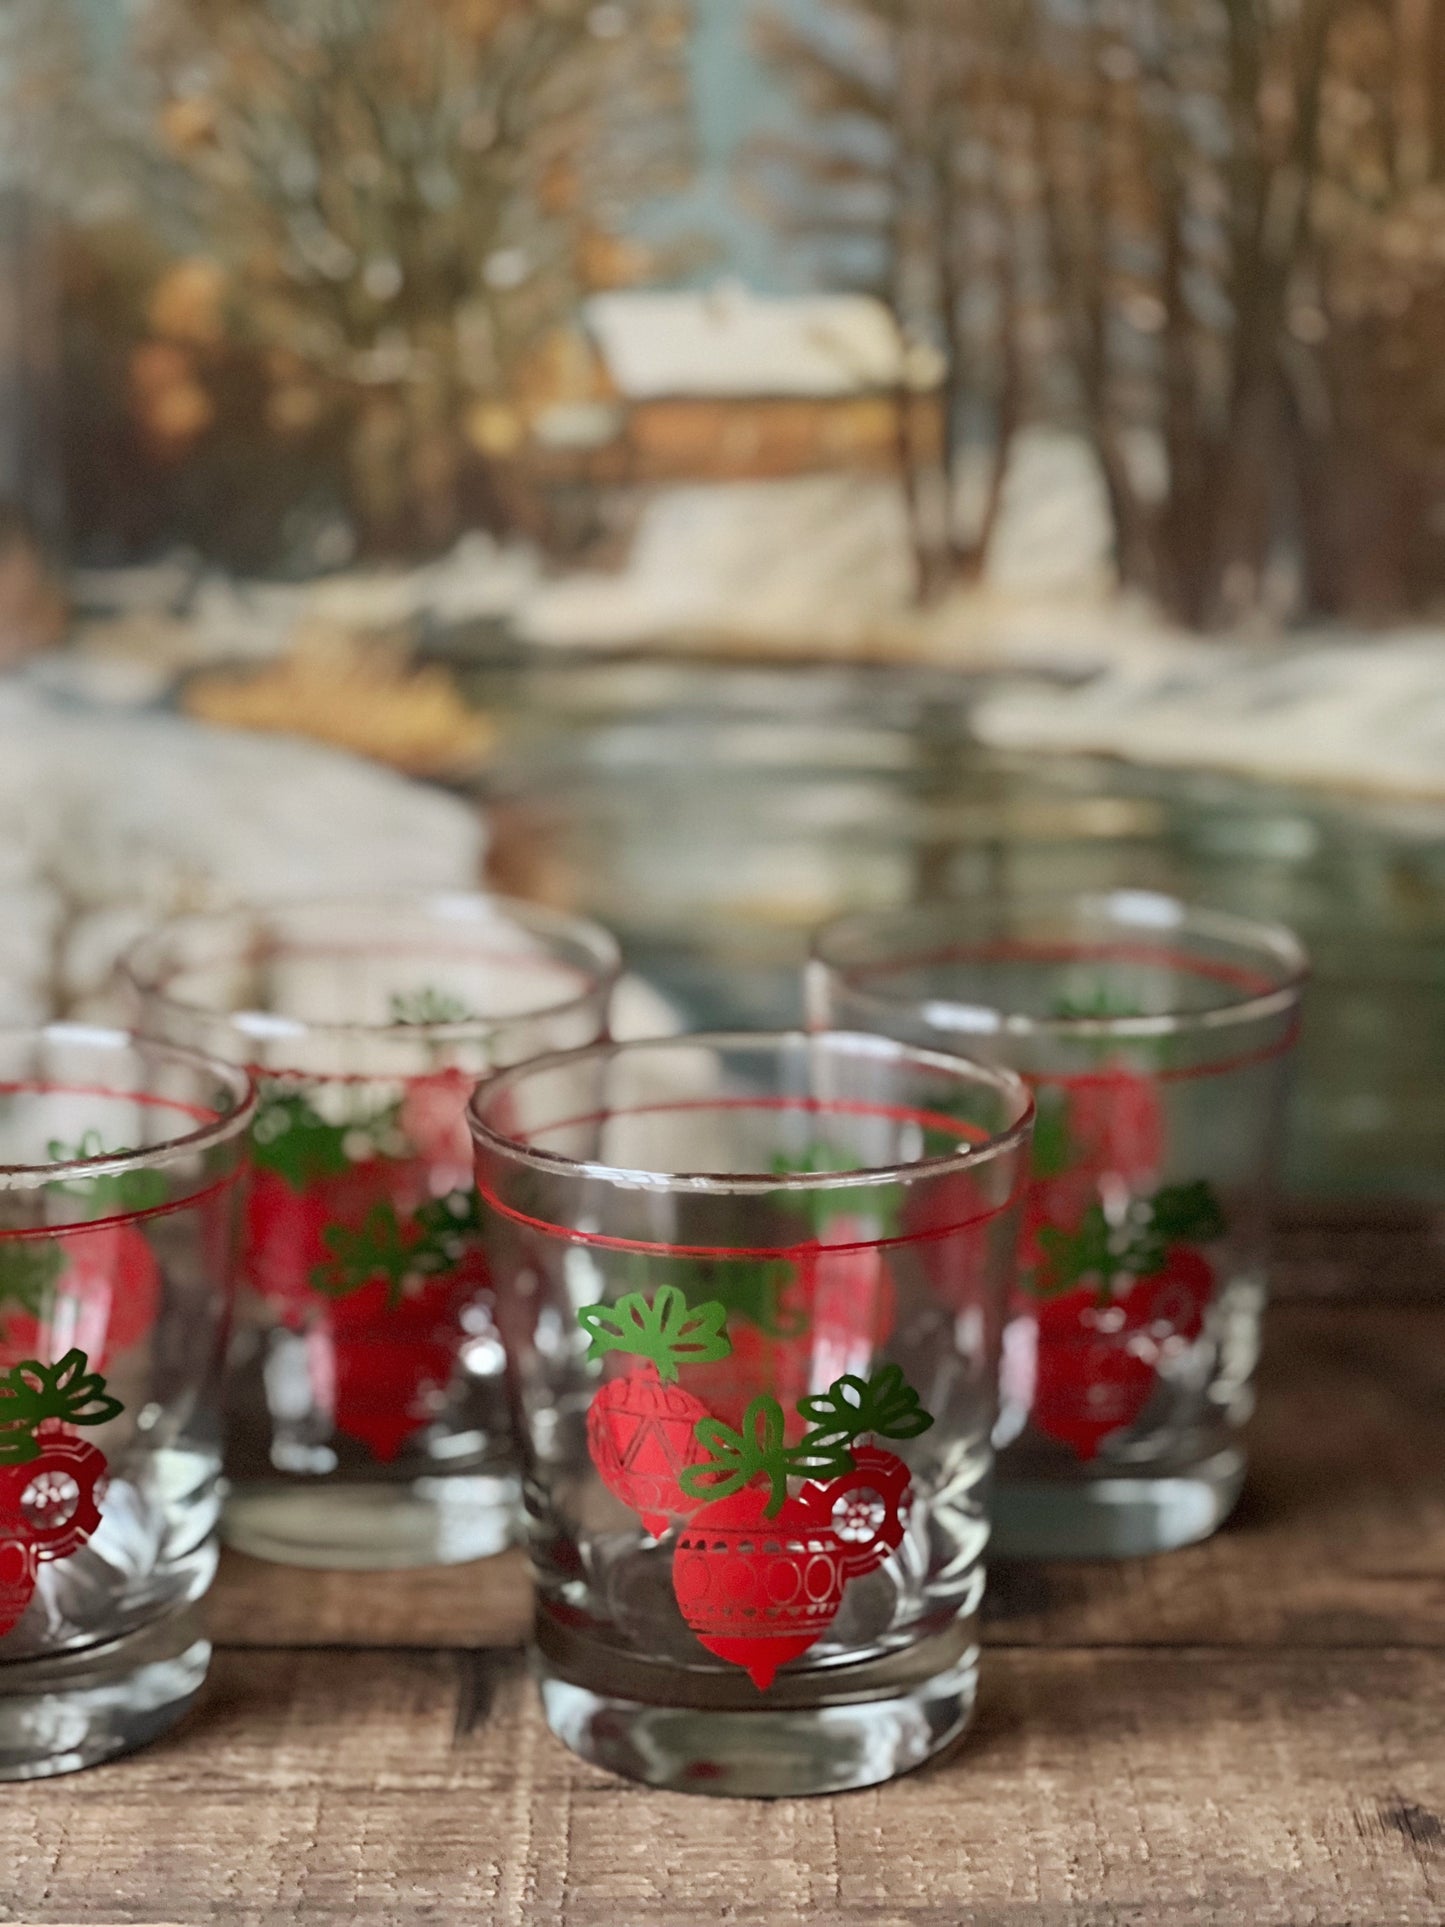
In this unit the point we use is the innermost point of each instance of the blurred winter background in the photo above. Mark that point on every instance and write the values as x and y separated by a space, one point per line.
714 462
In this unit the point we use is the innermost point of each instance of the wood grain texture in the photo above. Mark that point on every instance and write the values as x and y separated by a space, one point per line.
1360 1251
1149 1788
485 1604
1250 1733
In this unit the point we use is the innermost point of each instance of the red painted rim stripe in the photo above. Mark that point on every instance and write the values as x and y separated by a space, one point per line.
60 1232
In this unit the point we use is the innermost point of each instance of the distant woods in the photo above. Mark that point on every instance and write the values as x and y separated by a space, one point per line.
316 250
1210 234
324 262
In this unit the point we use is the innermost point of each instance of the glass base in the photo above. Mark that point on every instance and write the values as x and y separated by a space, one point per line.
373 1528
822 1731
1113 1516
71 1710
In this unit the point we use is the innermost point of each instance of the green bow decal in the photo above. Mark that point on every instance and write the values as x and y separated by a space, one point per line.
885 1406
291 1138
667 1332
434 1241
32 1392
738 1455
1179 1214
379 1249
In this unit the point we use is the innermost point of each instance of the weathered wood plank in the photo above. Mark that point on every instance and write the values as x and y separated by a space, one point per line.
1377 1252
1245 1732
1341 1535
1110 1789
487 1603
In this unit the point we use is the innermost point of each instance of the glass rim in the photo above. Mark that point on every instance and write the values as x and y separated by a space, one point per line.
1156 914
535 918
730 1184
236 1077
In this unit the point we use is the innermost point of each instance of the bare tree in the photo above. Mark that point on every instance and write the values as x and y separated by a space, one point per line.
904 174
1366 387
1178 153
1207 232
396 200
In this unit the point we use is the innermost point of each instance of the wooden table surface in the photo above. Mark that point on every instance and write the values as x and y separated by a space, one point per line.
1249 1732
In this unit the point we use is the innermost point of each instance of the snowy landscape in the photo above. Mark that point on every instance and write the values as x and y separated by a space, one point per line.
819 565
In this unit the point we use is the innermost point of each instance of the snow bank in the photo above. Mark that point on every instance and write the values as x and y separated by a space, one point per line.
109 824
1366 715
825 562
139 628
820 562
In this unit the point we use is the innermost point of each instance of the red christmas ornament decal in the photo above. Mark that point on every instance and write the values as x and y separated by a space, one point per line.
92 1287
1115 1302
758 1575
640 1426
1089 1381
783 1506
759 1591
825 1310
374 1254
95 1289
1114 1121
48 1478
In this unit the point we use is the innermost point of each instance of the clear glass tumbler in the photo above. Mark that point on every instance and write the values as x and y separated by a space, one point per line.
368 1424
751 1289
1156 1040
120 1205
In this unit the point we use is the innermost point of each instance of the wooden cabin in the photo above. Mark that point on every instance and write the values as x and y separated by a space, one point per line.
728 385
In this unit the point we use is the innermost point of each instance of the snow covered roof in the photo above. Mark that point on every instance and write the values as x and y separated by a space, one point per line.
729 343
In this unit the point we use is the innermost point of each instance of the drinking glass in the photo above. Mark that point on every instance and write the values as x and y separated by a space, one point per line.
751 1288
1156 1039
368 1425
120 1202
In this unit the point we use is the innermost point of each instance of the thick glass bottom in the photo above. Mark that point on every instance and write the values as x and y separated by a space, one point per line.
373 1527
821 1730
1114 1516
66 1711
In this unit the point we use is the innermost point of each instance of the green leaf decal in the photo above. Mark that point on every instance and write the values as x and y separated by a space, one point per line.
29 1270
1101 1000
31 1393
447 1226
428 1006
750 1288
1189 1212
434 1241
881 1201
885 1406
821 1454
292 1139
1053 1151
666 1331
380 1249
1069 1256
